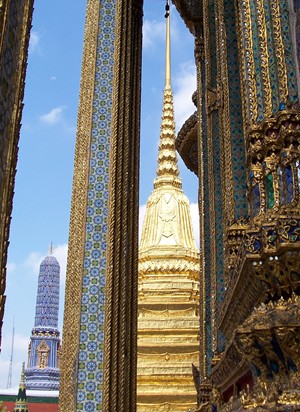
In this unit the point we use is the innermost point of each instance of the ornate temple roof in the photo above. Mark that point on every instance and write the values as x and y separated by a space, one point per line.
187 143
191 13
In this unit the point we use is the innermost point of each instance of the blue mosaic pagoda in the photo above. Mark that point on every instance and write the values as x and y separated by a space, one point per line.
43 371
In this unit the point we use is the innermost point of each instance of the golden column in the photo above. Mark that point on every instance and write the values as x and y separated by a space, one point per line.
168 305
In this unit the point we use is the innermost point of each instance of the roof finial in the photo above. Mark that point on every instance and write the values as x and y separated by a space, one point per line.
167 170
51 249
168 48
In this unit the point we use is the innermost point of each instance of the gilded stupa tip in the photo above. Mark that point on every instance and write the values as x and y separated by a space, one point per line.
167 169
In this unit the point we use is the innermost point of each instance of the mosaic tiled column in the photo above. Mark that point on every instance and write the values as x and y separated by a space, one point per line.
268 53
99 336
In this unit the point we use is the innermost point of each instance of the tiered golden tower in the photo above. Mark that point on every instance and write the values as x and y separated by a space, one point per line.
168 321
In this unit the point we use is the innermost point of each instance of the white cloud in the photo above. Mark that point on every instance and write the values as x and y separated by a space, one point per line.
53 78
153 31
11 267
52 117
34 41
33 261
184 87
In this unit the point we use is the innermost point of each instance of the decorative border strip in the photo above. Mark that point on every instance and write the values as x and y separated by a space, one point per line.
72 313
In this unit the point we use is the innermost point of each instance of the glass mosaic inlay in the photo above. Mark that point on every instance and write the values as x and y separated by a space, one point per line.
236 122
288 51
91 345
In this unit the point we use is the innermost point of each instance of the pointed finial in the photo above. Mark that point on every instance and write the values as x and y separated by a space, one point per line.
51 249
167 170
21 401
168 48
22 382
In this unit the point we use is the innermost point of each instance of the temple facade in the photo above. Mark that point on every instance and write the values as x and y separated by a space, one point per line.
243 144
168 295
43 369
15 24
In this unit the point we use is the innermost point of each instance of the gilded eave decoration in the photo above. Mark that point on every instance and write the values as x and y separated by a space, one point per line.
266 267
268 341
191 13
187 143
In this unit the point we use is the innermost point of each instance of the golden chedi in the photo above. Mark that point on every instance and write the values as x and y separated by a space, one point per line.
168 321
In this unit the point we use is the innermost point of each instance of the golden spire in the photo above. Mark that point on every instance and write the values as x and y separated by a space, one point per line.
167 220
167 170
168 300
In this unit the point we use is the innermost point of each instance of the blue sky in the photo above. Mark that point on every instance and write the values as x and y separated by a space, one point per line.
41 210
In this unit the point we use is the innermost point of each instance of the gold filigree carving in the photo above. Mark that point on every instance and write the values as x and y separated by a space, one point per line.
214 98
42 355
246 34
207 11
271 147
201 203
264 55
279 47
259 274
119 379
71 327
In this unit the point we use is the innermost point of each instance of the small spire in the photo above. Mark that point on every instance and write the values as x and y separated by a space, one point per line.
22 381
51 249
21 401
167 170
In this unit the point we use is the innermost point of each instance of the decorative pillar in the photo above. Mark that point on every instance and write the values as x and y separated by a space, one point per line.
100 322
199 58
268 54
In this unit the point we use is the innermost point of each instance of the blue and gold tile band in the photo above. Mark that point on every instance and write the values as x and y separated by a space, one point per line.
101 289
